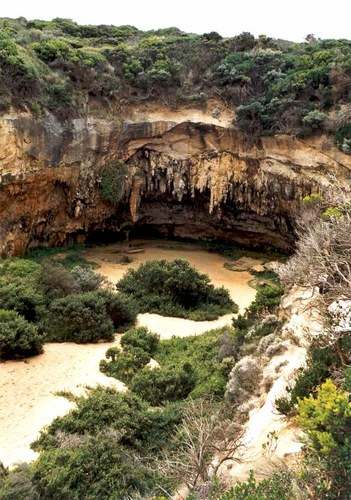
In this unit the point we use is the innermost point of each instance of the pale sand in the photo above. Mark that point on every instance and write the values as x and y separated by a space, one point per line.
27 399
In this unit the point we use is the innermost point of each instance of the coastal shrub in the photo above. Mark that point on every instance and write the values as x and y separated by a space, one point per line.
55 281
18 337
319 366
20 295
18 483
175 288
326 420
97 468
18 287
18 268
279 486
140 338
201 352
169 383
121 309
123 365
103 408
79 318
86 279
266 301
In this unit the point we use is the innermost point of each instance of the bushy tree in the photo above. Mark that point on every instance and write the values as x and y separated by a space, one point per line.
175 288
79 318
18 337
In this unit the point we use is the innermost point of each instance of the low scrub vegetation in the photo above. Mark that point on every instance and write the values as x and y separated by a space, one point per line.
276 86
18 337
58 300
174 288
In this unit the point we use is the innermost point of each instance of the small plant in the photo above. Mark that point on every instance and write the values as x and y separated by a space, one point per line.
113 181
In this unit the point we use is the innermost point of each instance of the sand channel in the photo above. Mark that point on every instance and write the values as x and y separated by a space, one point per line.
28 388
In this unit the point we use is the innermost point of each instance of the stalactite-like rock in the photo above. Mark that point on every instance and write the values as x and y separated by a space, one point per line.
196 180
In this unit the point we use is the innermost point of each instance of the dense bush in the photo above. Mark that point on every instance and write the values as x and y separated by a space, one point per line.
121 309
98 467
79 318
279 486
18 287
319 366
174 288
55 281
124 365
18 337
201 352
18 483
326 419
22 296
169 383
141 338
104 408
138 346
86 279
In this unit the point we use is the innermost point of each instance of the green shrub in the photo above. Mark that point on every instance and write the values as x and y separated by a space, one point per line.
113 180
79 318
52 49
326 419
121 309
279 486
170 383
174 288
142 338
96 468
18 337
201 352
315 120
104 408
55 281
124 365
266 301
18 268
19 484
21 296
319 366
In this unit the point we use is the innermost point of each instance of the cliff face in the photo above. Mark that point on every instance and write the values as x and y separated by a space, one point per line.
189 175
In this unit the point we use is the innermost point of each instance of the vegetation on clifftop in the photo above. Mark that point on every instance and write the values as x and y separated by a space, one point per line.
277 86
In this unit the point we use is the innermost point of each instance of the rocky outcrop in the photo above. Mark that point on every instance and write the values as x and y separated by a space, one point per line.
184 179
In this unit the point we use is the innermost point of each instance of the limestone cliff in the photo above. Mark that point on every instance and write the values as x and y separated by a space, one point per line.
189 175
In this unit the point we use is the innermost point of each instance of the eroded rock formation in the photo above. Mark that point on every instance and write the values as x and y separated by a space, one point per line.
189 175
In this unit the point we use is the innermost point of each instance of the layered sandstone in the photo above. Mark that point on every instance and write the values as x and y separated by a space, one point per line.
189 175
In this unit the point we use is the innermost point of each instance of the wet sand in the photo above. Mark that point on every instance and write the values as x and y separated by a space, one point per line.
27 388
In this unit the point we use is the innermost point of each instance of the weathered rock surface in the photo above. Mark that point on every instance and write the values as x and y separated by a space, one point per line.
185 179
